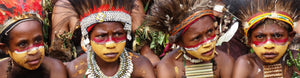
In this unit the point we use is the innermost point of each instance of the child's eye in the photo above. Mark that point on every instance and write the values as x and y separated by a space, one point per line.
37 41
277 35
22 45
102 35
209 31
196 38
260 36
118 34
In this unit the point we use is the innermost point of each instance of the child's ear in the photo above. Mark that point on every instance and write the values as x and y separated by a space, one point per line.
4 48
291 36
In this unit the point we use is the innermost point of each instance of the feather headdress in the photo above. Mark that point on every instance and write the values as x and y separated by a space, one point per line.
174 16
98 11
13 12
253 12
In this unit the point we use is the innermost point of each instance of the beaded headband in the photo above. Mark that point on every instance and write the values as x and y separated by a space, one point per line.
18 11
282 16
105 15
189 20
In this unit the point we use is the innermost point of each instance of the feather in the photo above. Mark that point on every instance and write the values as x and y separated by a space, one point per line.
229 34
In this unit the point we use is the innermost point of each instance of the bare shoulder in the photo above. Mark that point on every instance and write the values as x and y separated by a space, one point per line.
52 62
223 57
168 61
136 58
142 67
224 65
56 67
4 62
77 67
167 66
3 67
244 59
243 67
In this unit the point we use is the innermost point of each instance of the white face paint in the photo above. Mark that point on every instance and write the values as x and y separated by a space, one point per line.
204 51
30 58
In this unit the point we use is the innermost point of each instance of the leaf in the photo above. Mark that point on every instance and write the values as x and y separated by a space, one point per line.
161 38
152 45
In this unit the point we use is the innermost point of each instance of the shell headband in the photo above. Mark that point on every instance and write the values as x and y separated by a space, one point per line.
103 14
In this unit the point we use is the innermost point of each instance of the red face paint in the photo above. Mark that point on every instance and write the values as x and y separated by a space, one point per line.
281 41
116 40
34 45
208 39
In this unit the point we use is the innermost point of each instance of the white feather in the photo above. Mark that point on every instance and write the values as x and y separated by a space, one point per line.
228 35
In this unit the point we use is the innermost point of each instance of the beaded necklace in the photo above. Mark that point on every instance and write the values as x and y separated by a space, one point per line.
124 71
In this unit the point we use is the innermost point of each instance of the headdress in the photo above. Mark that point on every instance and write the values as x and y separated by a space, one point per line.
92 12
14 12
98 11
253 12
174 17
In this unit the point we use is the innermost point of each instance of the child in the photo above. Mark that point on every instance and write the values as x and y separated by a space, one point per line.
105 26
268 26
22 38
191 26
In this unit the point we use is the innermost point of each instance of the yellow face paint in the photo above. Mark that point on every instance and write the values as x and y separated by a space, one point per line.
109 51
270 52
30 59
205 52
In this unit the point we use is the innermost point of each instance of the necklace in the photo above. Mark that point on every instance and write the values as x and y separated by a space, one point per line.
189 58
199 71
124 71
274 70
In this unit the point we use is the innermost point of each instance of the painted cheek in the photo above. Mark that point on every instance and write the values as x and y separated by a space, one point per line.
101 49
280 41
202 49
28 48
21 57
281 49
116 40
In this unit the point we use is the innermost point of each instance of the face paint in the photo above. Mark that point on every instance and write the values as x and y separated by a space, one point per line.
108 50
270 52
29 58
204 50
279 42
104 41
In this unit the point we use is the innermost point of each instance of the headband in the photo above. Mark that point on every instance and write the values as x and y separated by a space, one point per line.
104 15
252 21
190 20
14 12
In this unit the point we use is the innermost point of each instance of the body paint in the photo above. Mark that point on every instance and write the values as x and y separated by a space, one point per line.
29 58
33 47
205 50
103 48
270 52
279 42
110 39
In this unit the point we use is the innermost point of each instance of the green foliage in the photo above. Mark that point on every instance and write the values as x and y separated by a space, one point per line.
251 50
154 38
295 75
47 12
295 62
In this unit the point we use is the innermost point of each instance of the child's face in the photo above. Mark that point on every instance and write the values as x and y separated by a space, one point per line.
108 40
26 46
199 40
270 42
